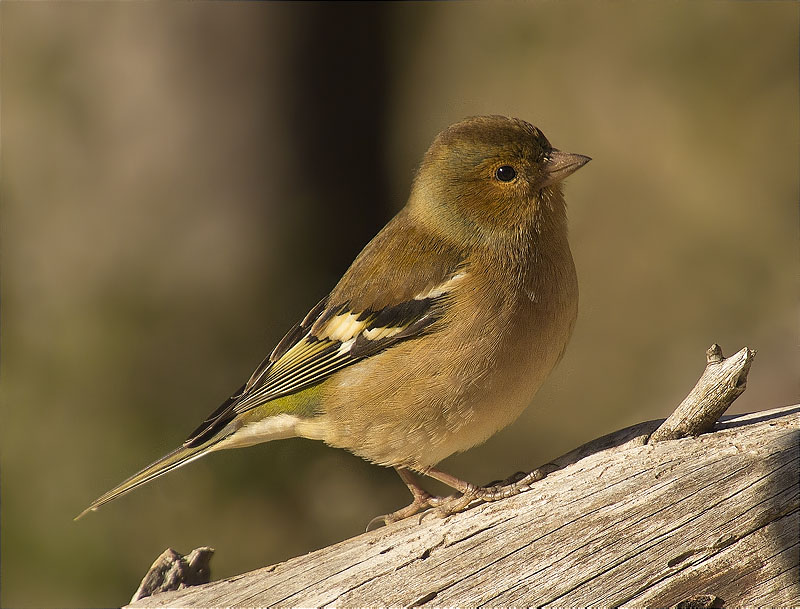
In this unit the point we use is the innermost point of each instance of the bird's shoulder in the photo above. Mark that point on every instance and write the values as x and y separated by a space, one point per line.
394 289
402 261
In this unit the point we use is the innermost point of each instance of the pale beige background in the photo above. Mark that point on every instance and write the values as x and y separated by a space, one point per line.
167 215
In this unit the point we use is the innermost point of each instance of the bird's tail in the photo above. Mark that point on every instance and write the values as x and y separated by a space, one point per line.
177 458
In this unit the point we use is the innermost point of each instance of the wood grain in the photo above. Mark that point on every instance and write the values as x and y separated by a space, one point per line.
634 524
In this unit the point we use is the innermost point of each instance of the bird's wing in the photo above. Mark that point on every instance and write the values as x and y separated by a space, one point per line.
331 337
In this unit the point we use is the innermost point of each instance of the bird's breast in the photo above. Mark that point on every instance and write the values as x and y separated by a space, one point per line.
474 373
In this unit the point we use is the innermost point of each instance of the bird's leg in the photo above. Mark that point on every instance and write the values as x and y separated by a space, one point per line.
422 500
514 485
493 491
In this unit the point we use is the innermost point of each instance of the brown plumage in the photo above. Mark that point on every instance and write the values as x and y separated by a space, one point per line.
441 331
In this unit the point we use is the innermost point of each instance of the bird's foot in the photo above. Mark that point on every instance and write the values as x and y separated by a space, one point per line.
423 500
494 491
445 506
418 505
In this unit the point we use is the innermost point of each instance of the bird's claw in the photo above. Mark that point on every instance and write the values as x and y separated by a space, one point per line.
422 501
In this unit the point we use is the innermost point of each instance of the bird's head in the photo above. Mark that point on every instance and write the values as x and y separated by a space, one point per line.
491 176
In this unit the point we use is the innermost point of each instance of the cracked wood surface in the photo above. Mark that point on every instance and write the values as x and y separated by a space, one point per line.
634 524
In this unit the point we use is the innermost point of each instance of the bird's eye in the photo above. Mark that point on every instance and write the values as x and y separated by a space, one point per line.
506 173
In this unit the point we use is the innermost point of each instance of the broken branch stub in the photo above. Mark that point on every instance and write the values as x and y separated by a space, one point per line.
723 380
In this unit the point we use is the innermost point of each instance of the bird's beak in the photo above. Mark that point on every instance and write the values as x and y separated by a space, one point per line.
562 164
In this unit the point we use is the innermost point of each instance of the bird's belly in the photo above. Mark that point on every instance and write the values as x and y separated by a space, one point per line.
445 399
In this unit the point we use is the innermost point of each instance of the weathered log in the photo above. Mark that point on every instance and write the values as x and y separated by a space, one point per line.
709 520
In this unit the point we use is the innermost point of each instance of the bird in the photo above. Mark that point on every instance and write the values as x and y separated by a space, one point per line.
440 332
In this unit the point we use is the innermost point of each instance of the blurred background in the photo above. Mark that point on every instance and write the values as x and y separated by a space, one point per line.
182 182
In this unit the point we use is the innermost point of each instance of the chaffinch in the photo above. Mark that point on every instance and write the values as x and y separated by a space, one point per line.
441 331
